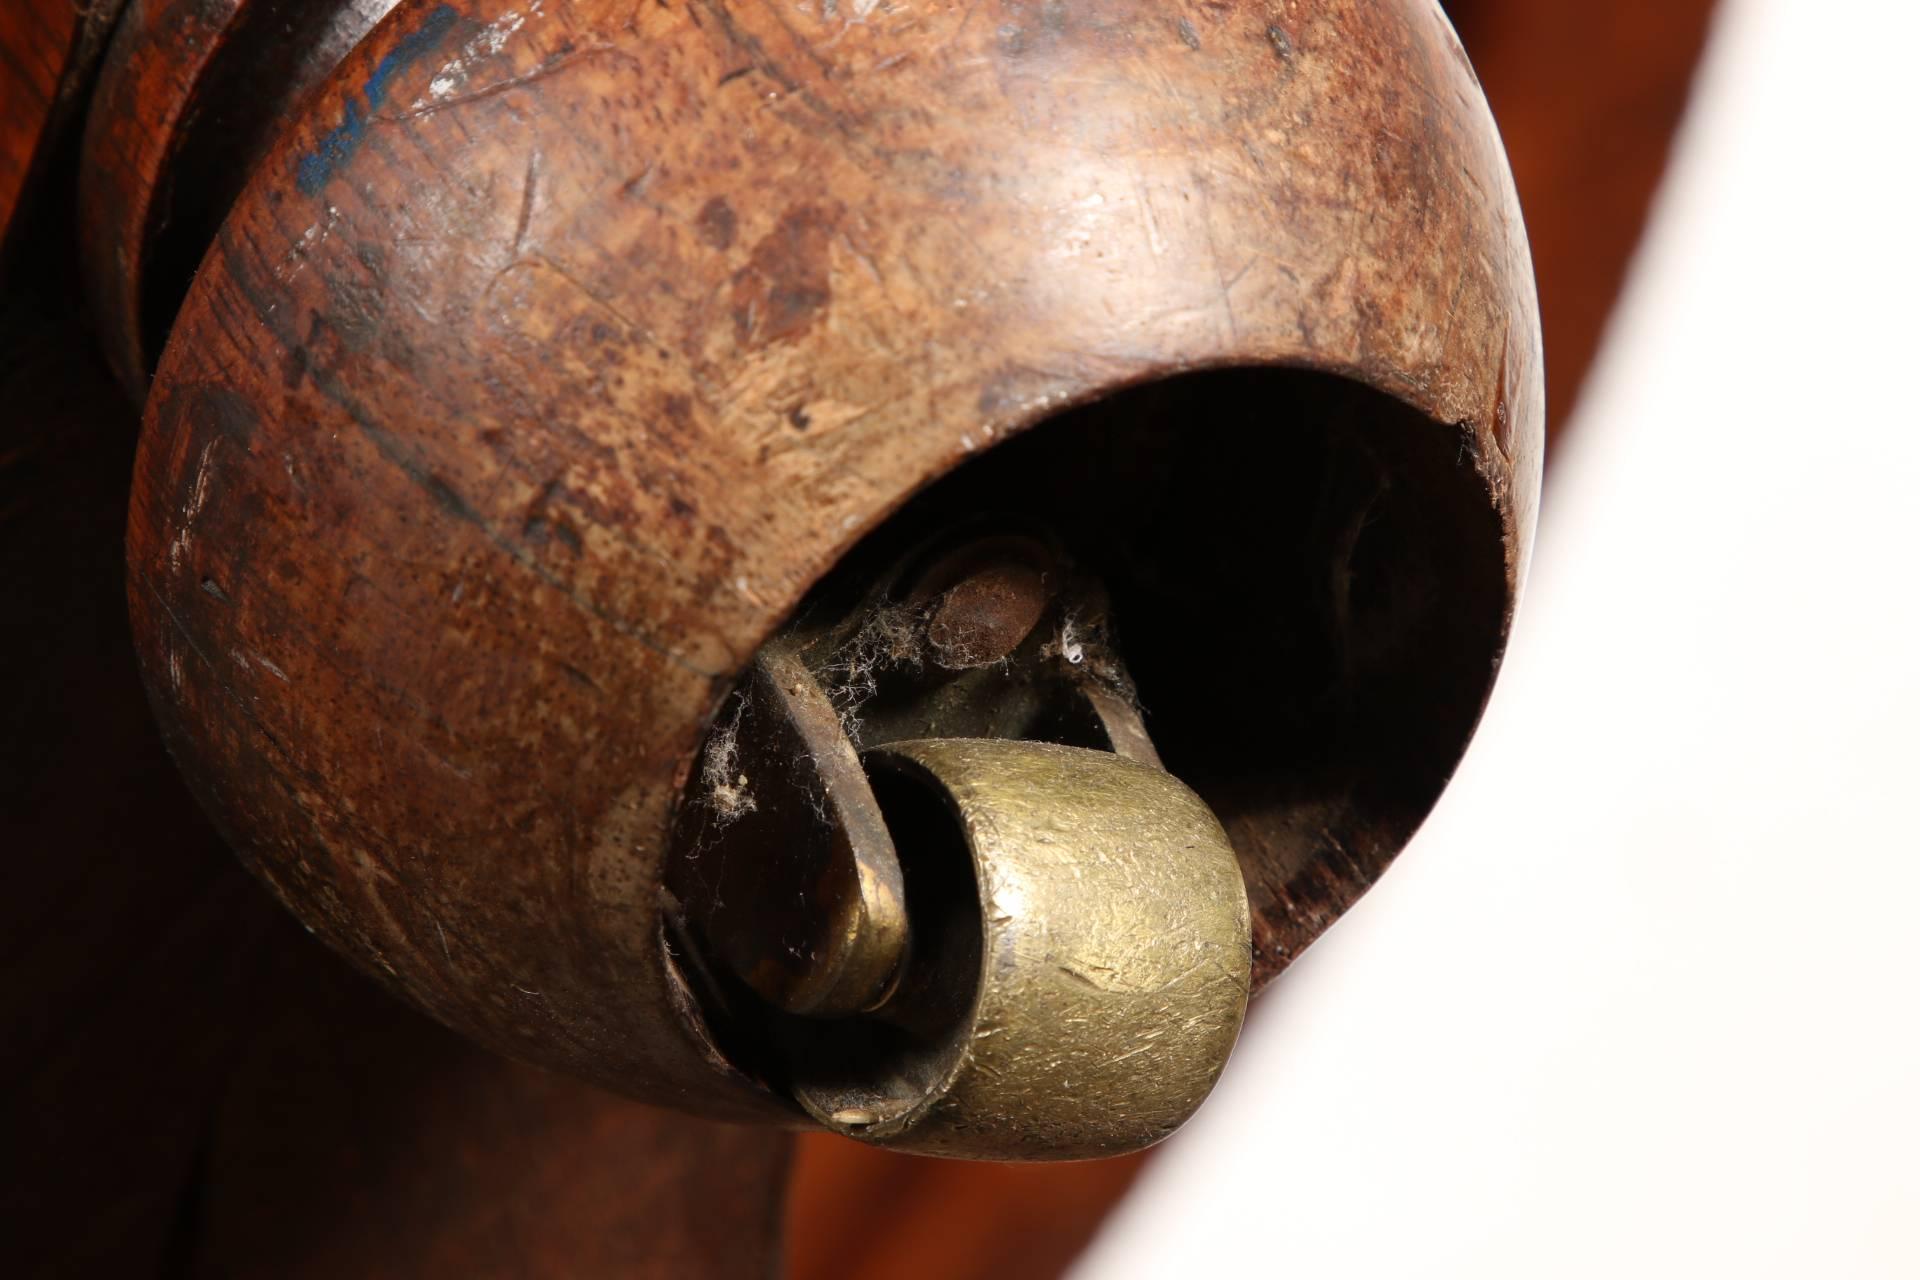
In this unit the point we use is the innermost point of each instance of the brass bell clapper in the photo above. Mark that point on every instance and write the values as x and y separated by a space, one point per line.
933 884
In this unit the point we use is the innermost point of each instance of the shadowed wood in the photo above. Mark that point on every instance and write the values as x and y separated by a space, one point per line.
188 1084
355 1138
130 942
48 51
189 95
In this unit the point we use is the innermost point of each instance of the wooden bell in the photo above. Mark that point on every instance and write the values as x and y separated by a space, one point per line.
555 356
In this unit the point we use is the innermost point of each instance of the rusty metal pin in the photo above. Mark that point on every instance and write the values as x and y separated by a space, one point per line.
988 597
984 617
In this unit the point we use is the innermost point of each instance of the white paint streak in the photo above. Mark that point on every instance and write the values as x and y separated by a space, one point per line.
488 43
196 499
295 260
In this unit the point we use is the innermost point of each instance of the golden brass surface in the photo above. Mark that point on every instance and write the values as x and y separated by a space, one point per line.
1113 958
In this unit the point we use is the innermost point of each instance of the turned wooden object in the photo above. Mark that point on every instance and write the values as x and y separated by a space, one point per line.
548 358
537 363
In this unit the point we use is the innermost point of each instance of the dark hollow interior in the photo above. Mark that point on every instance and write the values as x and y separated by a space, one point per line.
889 1064
1309 587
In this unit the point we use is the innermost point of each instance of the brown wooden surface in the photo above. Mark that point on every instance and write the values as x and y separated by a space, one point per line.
189 1085
48 51
193 1087
358 1139
35 36
1587 98
498 429
855 1213
1585 101
128 940
190 92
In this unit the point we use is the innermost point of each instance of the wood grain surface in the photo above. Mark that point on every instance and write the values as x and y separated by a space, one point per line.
1586 101
550 357
190 94
191 1086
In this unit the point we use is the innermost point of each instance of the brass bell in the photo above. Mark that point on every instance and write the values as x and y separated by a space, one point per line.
1002 930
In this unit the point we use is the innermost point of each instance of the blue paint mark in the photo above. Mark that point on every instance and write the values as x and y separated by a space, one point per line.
409 51
339 143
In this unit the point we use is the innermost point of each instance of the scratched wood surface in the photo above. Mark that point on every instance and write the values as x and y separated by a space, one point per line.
1641 84
551 356
1587 98
189 1085
190 92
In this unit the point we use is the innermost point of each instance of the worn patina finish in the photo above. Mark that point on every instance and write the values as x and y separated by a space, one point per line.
556 351
189 96
1109 977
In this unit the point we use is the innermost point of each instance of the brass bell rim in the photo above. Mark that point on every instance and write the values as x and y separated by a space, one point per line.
985 1103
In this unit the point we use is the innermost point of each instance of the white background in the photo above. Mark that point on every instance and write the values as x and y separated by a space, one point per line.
1644 995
